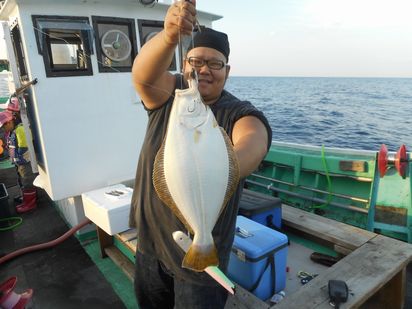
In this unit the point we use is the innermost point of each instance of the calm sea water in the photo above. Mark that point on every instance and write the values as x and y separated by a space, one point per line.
359 113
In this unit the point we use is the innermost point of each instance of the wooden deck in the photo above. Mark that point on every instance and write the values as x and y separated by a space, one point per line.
373 266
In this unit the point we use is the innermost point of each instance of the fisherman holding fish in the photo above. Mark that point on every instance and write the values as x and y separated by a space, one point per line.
200 144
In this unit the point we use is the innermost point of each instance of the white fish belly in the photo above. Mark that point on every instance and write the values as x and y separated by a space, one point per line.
196 168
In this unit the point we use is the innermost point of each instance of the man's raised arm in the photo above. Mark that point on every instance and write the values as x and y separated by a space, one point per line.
151 78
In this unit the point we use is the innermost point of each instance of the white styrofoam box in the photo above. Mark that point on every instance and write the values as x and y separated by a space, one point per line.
72 210
109 207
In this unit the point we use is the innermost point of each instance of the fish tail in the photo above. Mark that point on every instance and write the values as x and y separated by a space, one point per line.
198 258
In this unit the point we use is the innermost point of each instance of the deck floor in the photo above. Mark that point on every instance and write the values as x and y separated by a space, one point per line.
63 276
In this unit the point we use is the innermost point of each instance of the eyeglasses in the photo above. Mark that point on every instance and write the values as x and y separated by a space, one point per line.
213 64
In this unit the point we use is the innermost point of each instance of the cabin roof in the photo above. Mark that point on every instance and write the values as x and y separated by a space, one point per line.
6 6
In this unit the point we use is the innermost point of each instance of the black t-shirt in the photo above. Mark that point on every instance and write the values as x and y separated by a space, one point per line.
155 222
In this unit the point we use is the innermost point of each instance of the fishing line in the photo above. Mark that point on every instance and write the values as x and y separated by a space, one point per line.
329 182
182 50
180 42
183 54
181 59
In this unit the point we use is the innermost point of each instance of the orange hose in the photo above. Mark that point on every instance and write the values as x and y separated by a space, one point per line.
46 244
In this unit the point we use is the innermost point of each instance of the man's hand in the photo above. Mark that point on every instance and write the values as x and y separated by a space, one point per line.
180 19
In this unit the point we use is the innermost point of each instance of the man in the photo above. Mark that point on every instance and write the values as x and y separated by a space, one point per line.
160 280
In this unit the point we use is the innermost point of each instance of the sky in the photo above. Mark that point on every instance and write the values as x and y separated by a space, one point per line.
350 38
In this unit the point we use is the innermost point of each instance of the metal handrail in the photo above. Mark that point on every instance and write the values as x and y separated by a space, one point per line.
313 199
353 198
358 178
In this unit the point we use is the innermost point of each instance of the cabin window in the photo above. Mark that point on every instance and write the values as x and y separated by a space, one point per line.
19 53
116 45
65 43
147 30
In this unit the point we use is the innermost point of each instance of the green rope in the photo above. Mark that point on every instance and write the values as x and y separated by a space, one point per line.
17 222
329 197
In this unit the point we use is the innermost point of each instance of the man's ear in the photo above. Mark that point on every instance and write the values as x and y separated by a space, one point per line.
227 70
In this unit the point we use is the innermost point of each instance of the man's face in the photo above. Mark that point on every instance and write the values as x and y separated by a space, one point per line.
211 81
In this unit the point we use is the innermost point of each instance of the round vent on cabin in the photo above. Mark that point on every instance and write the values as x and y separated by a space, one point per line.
116 45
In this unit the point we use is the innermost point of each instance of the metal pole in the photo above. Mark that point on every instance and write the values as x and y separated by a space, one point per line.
313 189
313 199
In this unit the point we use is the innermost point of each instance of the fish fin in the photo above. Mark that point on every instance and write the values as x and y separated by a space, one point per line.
234 171
199 258
160 185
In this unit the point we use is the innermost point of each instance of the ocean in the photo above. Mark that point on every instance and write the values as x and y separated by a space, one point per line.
358 113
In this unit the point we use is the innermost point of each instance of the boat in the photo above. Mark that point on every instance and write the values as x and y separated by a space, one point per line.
70 66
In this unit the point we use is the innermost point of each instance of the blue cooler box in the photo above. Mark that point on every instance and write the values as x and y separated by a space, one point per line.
258 258
262 208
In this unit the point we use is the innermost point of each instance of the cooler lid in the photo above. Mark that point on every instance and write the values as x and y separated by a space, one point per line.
256 240
253 203
110 198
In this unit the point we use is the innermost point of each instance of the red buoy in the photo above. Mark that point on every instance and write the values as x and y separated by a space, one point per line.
383 160
401 161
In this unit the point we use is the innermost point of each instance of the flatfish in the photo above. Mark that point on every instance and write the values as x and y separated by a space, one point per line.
195 173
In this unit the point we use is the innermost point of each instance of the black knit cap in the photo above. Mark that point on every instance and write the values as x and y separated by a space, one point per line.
208 37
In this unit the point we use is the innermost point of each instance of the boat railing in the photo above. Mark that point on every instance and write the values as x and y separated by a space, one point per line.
270 187
357 178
